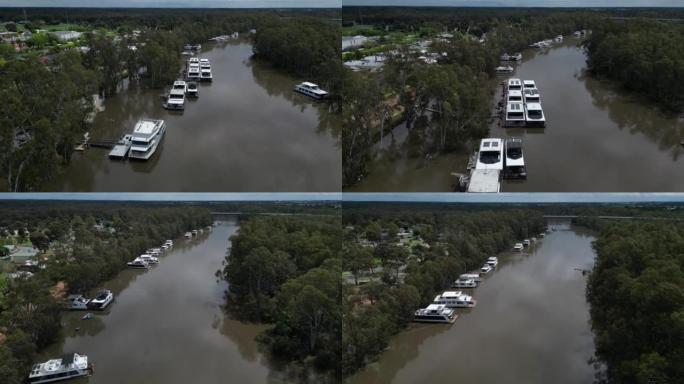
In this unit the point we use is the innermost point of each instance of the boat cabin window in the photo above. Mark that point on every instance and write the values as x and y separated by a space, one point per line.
174 96
514 152
490 157
534 114
515 115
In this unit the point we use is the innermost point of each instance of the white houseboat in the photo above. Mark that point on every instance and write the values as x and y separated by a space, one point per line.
517 56
534 115
514 164
469 283
504 70
435 313
147 135
180 85
193 73
514 85
486 269
138 263
526 243
492 261
67 367
515 96
311 90
188 235
518 247
77 303
490 155
101 300
515 115
175 100
471 276
205 75
532 96
529 84
455 299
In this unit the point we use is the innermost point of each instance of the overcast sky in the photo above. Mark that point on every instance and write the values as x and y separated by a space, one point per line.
522 3
174 3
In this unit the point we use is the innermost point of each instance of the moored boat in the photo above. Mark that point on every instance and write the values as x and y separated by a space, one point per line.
101 300
311 90
69 366
435 313
147 135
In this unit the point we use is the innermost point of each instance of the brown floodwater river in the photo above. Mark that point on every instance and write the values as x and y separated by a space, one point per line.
597 139
530 325
247 131
167 325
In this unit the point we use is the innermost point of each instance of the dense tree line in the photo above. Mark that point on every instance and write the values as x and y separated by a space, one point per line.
636 293
307 47
642 55
446 106
85 248
285 271
460 242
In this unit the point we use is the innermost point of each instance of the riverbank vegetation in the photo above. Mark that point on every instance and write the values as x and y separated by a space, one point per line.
55 81
396 261
636 293
643 56
285 271
79 248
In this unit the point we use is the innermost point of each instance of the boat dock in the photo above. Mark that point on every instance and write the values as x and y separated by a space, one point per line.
121 148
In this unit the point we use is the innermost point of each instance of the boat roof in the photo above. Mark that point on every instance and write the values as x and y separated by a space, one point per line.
204 60
446 294
513 82
531 91
529 82
514 92
514 106
147 127
179 82
534 107
435 307
491 144
308 84
177 92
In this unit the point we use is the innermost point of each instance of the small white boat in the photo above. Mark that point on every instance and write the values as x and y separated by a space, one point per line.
514 164
67 367
558 39
470 283
193 89
518 247
504 70
486 268
471 276
492 262
517 56
195 232
188 235
526 242
505 57
138 263
101 300
311 90
435 313
529 84
77 303
455 299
